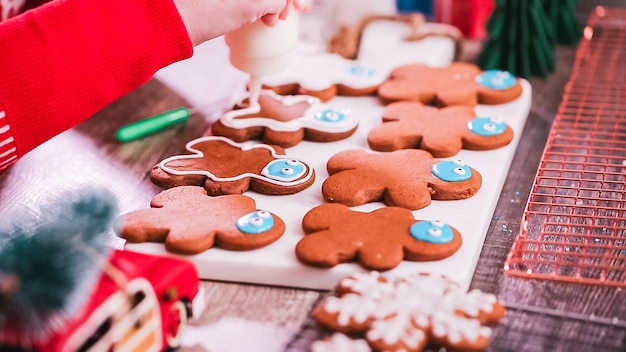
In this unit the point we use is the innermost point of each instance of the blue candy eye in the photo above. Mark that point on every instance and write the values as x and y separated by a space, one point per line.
361 71
256 222
496 79
431 231
284 170
330 116
486 126
452 171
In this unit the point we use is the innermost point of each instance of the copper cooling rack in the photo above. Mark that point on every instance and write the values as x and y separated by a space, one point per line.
574 226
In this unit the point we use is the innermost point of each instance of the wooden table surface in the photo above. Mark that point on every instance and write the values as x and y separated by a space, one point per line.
542 315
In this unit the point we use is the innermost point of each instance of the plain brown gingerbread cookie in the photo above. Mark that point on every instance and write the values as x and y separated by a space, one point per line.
222 166
458 84
403 178
442 132
285 121
409 312
189 221
378 240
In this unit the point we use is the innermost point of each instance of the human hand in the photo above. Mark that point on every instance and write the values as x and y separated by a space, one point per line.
207 19
300 5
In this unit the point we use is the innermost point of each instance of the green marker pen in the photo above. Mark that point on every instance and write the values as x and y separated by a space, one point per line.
152 124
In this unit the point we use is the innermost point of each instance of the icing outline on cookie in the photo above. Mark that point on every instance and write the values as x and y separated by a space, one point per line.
197 154
452 171
313 117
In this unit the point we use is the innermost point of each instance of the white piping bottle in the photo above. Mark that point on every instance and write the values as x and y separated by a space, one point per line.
258 49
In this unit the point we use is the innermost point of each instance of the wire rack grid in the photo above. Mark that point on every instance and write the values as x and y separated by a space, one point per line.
574 225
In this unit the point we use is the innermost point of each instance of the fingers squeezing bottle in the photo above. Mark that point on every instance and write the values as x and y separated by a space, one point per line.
258 49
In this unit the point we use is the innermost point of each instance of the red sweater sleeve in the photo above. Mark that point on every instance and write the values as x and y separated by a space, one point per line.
63 61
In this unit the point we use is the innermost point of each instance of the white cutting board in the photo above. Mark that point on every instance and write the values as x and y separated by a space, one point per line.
277 264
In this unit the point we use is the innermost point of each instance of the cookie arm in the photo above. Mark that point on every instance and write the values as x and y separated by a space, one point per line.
322 249
322 217
137 226
392 136
457 95
352 188
416 196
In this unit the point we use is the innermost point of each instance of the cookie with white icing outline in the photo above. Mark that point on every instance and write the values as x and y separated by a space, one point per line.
407 313
442 132
188 221
286 121
222 166
325 75
378 240
408 178
457 84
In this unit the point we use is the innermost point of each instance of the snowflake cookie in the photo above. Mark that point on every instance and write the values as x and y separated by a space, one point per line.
378 240
406 313
408 178
189 221
339 342
458 84
222 166
286 121
442 132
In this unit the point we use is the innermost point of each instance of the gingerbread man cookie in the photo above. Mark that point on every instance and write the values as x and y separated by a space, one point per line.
189 221
407 178
407 313
379 240
286 121
458 84
222 166
442 132
325 75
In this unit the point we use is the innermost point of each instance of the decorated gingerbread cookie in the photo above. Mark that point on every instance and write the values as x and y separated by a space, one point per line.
325 75
458 84
407 178
189 221
222 166
286 121
442 132
378 240
407 313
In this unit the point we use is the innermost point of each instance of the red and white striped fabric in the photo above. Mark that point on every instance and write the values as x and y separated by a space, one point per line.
8 153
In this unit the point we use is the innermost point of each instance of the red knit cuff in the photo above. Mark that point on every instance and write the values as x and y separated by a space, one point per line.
62 62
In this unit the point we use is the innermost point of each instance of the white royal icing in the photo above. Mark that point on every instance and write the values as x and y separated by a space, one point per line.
339 342
431 302
243 146
307 120
319 71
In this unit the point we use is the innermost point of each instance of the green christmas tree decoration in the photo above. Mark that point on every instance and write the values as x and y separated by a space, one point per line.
562 16
520 40
50 263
